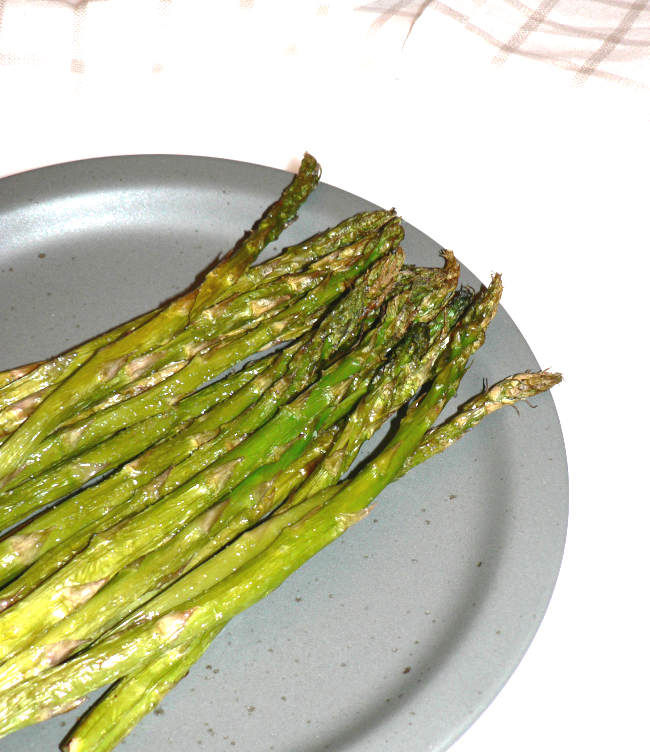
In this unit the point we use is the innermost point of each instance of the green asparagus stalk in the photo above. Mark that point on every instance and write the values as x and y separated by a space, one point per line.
24 499
123 652
22 398
81 578
206 534
257 305
276 218
16 708
242 455
261 492
466 337
133 697
234 316
113 550
102 365
206 365
297 257
113 498
521 386
238 314
335 333
394 385
40 538
138 693
198 540
50 372
396 382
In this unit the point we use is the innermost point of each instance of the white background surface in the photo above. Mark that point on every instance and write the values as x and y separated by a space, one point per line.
516 167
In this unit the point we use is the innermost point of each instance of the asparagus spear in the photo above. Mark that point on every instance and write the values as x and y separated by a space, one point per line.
142 690
243 456
52 371
22 500
197 541
239 313
125 704
274 220
31 392
102 365
71 519
12 702
336 331
128 702
290 323
296 257
521 386
109 552
328 516
233 316
466 337
394 385
203 536
142 476
261 303
117 713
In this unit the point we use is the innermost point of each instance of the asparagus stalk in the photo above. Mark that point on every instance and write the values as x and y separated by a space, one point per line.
138 693
22 500
253 307
296 257
467 335
197 541
274 220
114 651
521 386
242 455
14 374
206 365
113 498
146 577
125 704
239 314
29 393
102 365
328 516
233 316
335 333
50 372
394 385
173 626
81 578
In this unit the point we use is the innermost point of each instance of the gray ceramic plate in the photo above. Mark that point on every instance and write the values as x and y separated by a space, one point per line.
399 634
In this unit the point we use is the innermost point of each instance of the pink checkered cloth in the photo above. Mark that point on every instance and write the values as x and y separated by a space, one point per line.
608 39
592 39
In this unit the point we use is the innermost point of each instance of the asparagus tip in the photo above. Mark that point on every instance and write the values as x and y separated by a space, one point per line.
533 382
519 387
309 164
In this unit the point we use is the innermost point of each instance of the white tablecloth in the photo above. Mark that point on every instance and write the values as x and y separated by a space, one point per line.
514 133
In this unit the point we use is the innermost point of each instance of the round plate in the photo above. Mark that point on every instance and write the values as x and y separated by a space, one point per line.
399 634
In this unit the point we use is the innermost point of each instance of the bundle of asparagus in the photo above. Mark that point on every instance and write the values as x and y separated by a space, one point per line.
215 486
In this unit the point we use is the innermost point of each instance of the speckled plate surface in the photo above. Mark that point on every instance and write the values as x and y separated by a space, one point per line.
399 634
